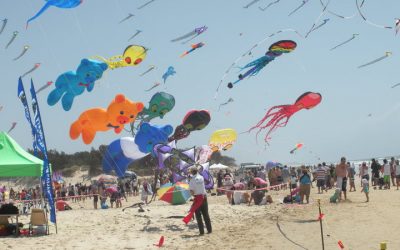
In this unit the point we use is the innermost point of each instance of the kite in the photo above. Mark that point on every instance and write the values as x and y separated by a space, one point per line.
394 86
15 34
369 22
150 135
225 103
1 107
397 25
31 70
301 5
13 125
343 43
48 84
121 111
278 116
65 4
130 15
3 26
222 139
73 83
196 32
275 50
250 4
119 154
233 65
144 5
194 47
193 120
156 84
170 72
160 104
313 28
147 71
387 54
297 147
25 49
134 35
133 55
271 3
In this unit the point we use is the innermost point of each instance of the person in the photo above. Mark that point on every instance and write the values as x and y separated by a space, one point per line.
397 174
95 192
197 189
146 191
393 170
341 177
351 174
320 176
228 185
62 205
386 174
305 185
364 172
375 169
135 189
365 188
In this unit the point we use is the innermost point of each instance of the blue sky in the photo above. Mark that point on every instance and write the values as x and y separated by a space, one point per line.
340 125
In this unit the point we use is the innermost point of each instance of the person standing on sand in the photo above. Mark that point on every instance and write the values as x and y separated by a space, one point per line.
386 174
364 172
393 170
341 177
365 188
197 188
305 185
397 173
375 169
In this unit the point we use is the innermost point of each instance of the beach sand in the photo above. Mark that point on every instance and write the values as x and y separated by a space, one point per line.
359 225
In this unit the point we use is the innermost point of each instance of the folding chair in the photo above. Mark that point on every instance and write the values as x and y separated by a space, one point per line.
38 218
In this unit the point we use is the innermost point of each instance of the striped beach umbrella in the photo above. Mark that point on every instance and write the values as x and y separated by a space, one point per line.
174 194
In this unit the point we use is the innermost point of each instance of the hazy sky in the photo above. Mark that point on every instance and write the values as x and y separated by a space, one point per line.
340 125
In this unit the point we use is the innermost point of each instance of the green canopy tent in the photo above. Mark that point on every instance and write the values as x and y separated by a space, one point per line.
15 161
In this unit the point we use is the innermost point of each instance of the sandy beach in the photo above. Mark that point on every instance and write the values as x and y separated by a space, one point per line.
359 225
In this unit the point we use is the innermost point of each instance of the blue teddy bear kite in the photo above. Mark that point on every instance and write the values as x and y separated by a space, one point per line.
71 84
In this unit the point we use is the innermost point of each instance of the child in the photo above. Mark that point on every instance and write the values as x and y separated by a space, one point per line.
365 188
146 191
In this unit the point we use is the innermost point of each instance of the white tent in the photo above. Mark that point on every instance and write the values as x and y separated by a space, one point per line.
218 166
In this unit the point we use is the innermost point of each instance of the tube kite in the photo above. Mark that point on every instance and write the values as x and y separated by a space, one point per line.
196 32
225 103
269 5
147 71
134 35
130 15
194 47
35 67
24 50
15 34
387 54
13 125
145 4
65 4
343 43
156 84
397 25
297 147
3 26
313 28
301 5
48 84
251 3
278 116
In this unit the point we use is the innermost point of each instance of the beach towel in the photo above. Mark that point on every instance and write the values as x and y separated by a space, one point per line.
197 202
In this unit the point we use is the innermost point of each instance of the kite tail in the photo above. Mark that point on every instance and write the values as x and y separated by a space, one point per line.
274 116
198 200
43 9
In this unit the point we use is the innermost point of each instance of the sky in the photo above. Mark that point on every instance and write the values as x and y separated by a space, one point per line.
358 117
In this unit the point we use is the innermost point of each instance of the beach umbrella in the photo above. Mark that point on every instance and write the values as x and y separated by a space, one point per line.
175 194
